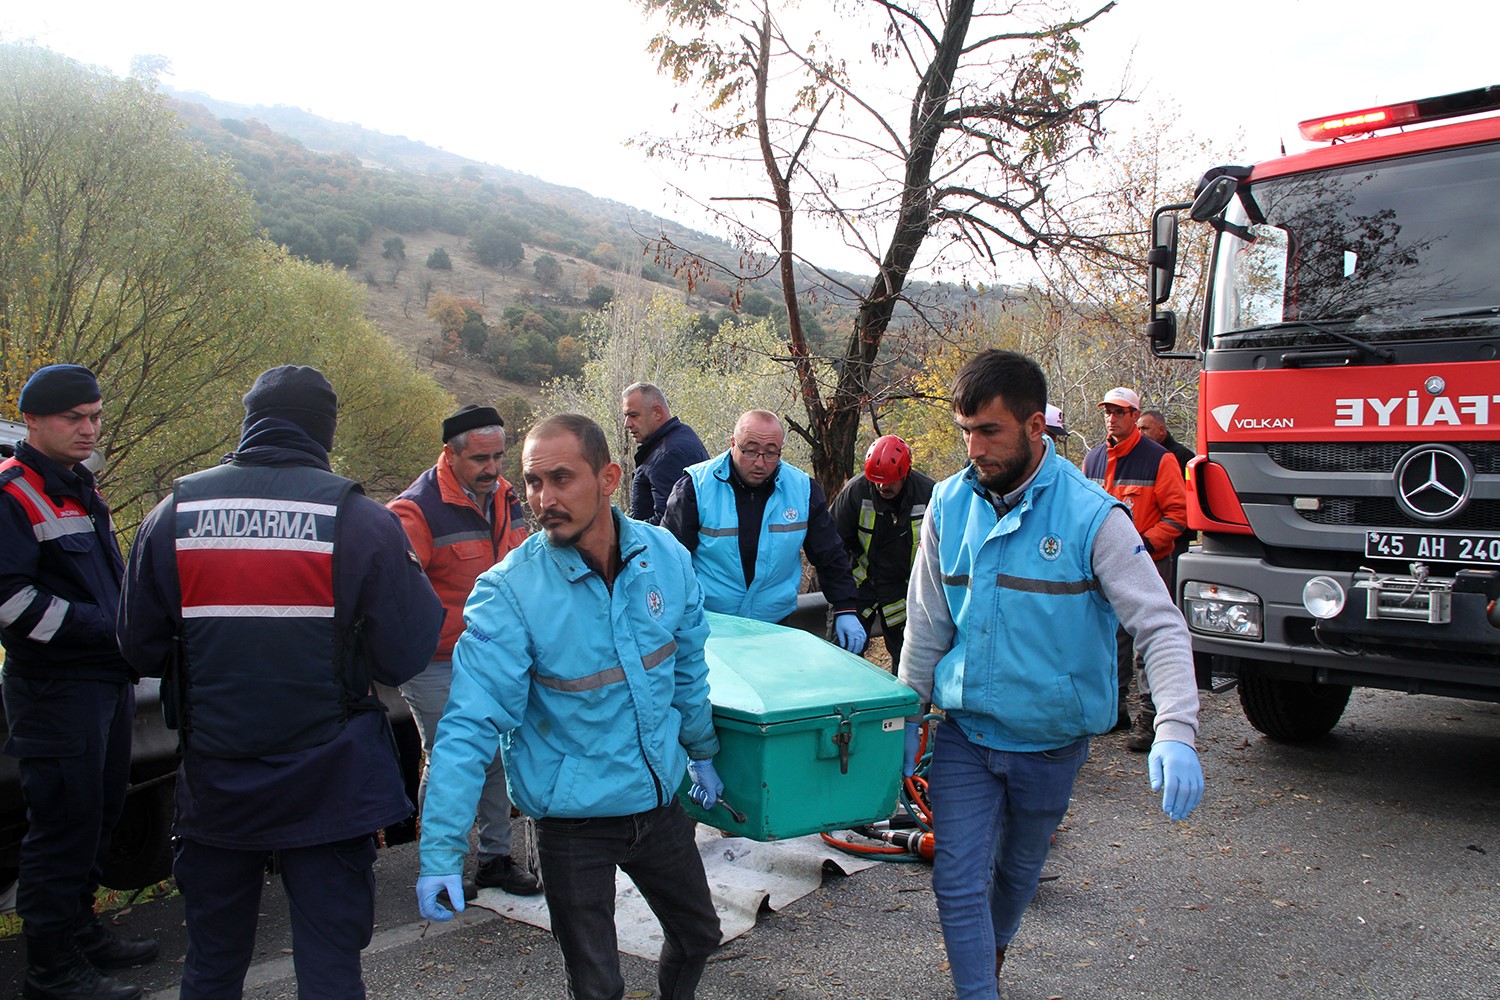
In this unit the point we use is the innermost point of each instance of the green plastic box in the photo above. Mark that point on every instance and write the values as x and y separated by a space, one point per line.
810 736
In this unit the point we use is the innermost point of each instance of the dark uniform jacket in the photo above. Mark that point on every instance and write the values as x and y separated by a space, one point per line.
60 570
345 787
659 462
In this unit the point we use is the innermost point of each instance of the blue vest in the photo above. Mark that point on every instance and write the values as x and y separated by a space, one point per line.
778 559
267 667
1033 663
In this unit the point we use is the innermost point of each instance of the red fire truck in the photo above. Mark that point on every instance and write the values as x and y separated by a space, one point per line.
1347 482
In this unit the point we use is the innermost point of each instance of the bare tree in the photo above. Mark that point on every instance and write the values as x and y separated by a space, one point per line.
959 166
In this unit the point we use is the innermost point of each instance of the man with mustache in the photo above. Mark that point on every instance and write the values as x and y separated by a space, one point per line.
583 661
462 518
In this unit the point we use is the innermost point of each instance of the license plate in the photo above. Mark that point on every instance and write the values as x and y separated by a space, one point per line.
1433 546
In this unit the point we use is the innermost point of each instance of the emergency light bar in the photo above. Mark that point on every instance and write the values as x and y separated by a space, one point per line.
1428 109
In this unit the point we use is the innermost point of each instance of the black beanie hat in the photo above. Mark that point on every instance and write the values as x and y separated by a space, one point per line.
56 388
469 418
299 394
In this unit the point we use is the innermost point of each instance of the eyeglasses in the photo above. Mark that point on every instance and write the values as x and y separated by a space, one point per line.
1117 411
771 455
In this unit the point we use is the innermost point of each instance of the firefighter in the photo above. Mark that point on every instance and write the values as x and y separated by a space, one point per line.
878 514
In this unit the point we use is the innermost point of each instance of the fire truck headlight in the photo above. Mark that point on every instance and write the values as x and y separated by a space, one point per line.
1227 611
1323 597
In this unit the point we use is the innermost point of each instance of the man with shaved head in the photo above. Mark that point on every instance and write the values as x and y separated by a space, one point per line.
746 517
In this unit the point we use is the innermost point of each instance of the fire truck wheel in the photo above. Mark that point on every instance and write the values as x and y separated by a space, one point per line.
1291 711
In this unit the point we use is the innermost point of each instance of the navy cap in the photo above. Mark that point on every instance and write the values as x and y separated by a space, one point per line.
470 418
56 388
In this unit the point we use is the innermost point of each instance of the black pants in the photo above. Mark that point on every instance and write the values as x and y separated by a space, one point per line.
71 740
657 850
330 892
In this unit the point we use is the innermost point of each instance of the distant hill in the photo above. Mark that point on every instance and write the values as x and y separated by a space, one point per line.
348 195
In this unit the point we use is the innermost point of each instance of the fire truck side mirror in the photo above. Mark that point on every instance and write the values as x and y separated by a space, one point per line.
1213 199
1161 259
1161 331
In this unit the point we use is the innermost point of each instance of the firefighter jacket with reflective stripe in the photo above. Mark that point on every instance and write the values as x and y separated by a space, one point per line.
772 594
1032 665
881 538
453 540
267 663
595 693
1146 478
60 571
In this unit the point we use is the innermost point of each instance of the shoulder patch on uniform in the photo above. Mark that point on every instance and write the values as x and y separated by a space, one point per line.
656 603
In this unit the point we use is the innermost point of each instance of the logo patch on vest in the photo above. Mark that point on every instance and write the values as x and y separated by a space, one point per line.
790 514
655 602
1050 547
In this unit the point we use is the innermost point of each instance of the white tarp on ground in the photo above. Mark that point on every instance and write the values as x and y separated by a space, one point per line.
742 875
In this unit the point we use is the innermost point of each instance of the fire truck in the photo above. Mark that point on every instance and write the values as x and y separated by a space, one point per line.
1347 478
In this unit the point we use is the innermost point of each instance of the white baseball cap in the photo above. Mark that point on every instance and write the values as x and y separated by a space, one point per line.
1055 422
1121 396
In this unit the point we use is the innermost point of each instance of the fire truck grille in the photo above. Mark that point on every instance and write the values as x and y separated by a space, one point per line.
1382 512
1371 457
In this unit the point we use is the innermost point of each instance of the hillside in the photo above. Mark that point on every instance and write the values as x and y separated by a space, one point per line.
340 193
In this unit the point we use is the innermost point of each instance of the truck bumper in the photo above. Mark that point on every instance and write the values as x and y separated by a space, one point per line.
1457 658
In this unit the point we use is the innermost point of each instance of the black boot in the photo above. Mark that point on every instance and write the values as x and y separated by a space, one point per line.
108 951
57 970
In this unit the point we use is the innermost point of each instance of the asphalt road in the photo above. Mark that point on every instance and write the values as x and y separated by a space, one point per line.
1367 865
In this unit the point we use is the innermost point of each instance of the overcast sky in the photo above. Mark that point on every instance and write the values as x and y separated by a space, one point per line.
554 90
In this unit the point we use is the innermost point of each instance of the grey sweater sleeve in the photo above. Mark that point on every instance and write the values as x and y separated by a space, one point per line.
929 626
1135 590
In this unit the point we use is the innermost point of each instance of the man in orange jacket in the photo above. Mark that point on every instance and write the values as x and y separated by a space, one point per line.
1146 477
462 517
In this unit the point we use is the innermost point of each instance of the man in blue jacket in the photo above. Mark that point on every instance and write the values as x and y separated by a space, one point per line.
69 696
583 661
1024 568
667 446
747 518
269 593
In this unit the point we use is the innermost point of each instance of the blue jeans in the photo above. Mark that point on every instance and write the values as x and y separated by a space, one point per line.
994 812
427 694
657 850
330 892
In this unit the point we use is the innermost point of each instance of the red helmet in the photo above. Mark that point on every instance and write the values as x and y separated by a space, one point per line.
888 461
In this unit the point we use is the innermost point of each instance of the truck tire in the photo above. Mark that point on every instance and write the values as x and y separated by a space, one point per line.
1291 711
140 854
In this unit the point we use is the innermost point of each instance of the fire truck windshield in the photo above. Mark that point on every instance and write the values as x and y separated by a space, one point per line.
1395 250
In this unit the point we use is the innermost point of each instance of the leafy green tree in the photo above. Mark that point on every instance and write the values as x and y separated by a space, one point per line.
548 270
344 252
128 249
599 296
496 246
438 260
394 248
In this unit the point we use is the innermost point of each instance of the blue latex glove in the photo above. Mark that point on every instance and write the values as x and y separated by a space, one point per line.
913 740
851 634
428 887
1175 770
706 784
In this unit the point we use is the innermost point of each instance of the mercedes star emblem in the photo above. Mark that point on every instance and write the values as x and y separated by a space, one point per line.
1433 482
